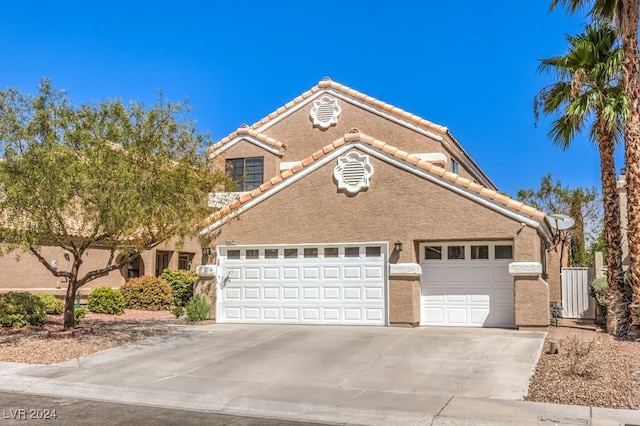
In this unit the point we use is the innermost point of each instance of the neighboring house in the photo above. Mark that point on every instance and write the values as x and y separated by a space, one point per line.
353 211
23 272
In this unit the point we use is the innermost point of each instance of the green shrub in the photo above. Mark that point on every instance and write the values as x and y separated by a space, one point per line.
598 289
52 305
181 283
78 314
198 308
147 293
178 311
105 300
21 310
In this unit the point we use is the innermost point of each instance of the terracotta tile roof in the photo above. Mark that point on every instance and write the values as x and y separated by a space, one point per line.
397 153
250 132
327 83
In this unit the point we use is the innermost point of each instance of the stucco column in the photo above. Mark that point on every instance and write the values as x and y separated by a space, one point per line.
404 294
206 285
531 294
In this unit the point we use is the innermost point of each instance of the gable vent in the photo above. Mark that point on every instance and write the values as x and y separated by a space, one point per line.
353 172
325 112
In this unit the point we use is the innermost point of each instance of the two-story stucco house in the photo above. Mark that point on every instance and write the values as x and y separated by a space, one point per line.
352 211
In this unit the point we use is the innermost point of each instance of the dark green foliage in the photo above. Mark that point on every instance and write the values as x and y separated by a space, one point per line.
78 314
198 308
105 300
52 305
21 310
147 293
178 311
598 289
181 283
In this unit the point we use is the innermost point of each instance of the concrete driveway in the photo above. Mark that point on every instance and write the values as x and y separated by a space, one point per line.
266 370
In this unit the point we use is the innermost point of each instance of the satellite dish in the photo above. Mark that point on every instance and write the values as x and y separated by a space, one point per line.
561 222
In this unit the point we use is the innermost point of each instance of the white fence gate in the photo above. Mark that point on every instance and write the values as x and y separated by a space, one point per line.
576 302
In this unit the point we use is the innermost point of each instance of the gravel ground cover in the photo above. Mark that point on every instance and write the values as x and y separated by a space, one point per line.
35 346
590 369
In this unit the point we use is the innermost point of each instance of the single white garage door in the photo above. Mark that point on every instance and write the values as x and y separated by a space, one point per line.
467 284
310 284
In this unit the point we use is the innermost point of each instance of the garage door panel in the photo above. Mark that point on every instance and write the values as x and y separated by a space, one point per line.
466 292
352 272
251 273
290 293
311 314
373 293
311 273
373 272
271 293
352 293
457 316
289 273
233 294
331 272
374 315
353 314
271 273
309 290
291 314
479 316
251 293
331 293
311 293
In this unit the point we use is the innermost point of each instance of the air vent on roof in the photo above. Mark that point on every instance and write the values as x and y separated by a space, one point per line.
325 112
353 172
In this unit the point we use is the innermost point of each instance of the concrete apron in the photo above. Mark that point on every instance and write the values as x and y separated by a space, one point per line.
365 375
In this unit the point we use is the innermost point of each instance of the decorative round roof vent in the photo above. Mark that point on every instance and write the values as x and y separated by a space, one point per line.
325 112
353 172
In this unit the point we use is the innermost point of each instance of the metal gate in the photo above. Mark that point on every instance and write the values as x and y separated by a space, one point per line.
576 302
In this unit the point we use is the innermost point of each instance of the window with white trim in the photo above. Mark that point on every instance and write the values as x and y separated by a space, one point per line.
247 173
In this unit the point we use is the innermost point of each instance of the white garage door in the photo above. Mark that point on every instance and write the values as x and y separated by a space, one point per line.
310 284
467 284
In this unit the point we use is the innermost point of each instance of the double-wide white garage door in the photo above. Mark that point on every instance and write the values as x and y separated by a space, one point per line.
310 284
467 284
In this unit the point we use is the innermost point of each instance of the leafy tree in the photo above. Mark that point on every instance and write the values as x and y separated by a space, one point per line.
120 177
582 204
625 15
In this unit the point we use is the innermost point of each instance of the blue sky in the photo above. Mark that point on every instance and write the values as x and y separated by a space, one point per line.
468 65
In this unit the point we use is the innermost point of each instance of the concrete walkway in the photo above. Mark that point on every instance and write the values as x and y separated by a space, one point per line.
344 375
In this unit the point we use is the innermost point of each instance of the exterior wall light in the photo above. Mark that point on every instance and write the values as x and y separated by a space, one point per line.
398 246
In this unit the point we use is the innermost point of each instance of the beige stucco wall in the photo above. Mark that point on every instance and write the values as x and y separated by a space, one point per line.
532 302
398 206
404 301
23 272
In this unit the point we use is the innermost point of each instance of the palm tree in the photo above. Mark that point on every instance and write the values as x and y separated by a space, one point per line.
588 92
624 14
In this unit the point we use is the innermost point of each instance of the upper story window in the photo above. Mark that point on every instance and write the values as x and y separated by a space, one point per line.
454 166
247 173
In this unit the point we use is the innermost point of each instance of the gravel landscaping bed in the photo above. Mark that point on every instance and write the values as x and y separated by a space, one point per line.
36 346
590 369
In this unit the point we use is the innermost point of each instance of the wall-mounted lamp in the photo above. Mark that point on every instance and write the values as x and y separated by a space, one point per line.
206 251
54 265
398 247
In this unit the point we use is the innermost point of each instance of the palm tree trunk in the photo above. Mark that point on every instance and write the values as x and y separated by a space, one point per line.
617 308
631 78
